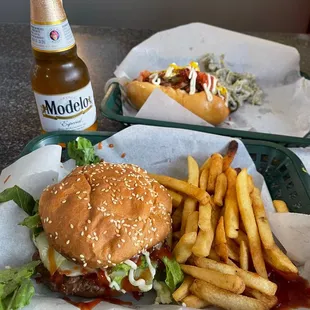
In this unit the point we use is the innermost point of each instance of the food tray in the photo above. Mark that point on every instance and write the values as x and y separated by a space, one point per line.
111 107
283 171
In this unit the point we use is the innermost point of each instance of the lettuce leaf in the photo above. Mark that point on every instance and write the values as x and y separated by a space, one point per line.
119 272
16 289
32 221
24 200
21 296
163 293
174 274
82 151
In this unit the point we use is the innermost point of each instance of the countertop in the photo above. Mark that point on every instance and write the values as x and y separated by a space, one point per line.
101 48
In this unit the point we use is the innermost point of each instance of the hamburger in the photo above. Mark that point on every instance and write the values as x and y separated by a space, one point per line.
199 92
105 229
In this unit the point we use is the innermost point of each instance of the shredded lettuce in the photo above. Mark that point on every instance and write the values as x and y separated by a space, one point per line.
163 293
119 272
82 151
174 274
16 289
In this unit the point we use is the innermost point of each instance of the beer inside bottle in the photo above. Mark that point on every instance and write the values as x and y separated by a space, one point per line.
60 79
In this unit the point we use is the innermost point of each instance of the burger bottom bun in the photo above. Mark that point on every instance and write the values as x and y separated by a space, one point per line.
214 112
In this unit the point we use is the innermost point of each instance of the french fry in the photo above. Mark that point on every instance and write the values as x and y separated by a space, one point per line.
220 242
244 256
242 237
224 299
231 215
205 213
213 255
192 301
216 168
250 183
183 290
176 198
261 219
231 263
270 301
228 282
182 187
250 279
183 249
205 238
203 243
193 171
177 218
220 189
280 206
203 180
192 222
277 259
230 155
206 164
190 206
248 219
233 250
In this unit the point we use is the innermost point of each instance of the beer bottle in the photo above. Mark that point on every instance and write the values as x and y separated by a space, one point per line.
60 79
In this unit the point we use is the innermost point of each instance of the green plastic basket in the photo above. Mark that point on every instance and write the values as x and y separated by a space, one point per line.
284 173
111 107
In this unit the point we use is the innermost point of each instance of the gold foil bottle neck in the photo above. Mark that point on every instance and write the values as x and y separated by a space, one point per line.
46 11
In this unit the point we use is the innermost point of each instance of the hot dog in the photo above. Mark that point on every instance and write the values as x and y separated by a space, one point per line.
197 91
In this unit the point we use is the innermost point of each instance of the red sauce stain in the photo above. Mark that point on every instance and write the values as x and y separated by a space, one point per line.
111 145
123 155
293 291
91 304
7 178
99 145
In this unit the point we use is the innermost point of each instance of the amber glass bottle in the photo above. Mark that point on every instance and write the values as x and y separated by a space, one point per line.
60 79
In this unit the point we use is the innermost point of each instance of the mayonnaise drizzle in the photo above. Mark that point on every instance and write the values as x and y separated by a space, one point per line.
170 70
141 282
131 264
192 77
155 79
148 261
207 91
214 89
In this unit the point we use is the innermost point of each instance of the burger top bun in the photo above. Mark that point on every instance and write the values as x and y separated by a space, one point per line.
100 215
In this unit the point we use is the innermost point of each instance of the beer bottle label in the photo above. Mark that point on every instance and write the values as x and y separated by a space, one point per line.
51 36
71 111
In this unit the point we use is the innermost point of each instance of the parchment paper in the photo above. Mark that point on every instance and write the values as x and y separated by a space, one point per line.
159 150
285 109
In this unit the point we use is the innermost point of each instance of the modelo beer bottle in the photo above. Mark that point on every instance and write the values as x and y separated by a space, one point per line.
60 79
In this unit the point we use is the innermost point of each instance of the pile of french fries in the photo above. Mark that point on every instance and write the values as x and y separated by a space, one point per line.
220 231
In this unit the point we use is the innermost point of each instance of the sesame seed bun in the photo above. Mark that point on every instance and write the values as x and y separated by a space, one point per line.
103 214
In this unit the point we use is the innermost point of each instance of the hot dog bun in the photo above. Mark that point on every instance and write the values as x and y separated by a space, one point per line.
214 112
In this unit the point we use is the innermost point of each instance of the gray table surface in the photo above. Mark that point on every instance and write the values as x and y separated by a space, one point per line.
101 48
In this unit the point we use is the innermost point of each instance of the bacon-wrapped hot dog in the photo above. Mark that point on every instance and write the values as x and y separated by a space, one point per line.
197 91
